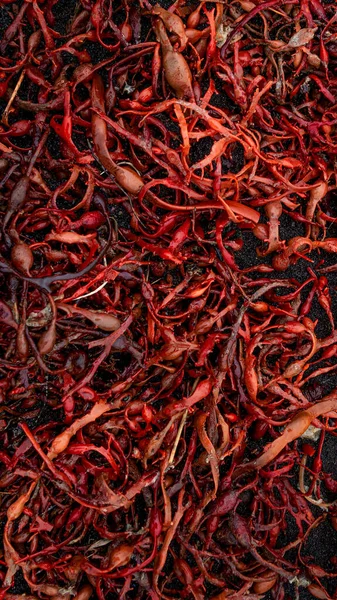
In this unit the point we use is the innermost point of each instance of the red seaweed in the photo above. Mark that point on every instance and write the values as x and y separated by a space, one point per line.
168 340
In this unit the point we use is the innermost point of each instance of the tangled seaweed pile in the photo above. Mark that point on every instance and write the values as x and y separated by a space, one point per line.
168 210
